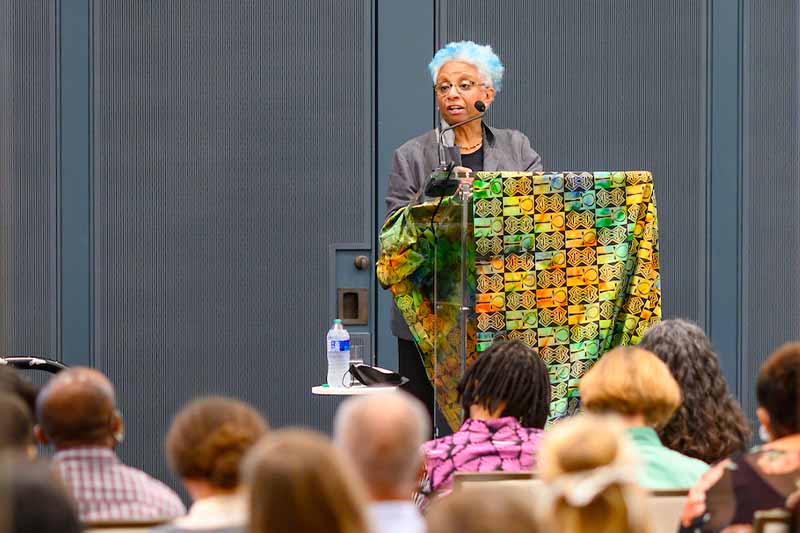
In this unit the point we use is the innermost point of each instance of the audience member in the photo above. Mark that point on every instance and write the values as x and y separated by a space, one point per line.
709 425
731 492
383 436
77 414
298 481
16 426
505 395
36 500
589 469
205 446
12 382
638 386
483 510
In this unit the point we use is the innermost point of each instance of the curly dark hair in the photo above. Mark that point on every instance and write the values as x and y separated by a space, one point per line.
510 372
777 389
709 425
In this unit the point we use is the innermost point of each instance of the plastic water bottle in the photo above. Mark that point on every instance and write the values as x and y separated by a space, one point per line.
338 346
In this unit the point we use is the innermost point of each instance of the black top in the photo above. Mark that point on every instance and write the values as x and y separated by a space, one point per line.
738 487
473 161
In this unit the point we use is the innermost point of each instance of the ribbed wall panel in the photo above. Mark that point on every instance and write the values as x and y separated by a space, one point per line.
771 203
618 84
231 147
28 162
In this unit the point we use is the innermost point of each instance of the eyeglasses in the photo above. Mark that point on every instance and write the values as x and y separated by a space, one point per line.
463 87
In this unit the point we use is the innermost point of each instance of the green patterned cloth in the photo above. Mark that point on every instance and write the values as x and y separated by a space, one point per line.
566 263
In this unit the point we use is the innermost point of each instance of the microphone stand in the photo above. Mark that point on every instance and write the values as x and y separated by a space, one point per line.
440 183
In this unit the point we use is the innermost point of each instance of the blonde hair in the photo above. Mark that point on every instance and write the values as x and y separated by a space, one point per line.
299 482
591 450
631 381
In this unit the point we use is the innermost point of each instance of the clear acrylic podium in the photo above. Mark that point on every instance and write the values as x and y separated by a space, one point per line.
565 262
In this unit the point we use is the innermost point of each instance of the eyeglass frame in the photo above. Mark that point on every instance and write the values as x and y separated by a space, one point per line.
457 87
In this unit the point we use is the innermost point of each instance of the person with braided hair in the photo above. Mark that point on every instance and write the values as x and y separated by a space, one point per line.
709 425
505 395
205 445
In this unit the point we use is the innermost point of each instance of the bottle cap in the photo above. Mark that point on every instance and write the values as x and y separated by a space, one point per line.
337 321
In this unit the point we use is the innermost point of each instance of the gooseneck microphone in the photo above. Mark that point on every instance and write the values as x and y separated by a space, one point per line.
439 182
481 107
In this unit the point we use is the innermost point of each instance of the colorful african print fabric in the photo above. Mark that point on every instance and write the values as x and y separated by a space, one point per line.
566 263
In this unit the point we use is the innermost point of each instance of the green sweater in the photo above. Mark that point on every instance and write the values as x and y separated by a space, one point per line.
663 468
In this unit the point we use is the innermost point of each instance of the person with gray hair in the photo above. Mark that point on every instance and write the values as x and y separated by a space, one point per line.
383 435
709 425
466 79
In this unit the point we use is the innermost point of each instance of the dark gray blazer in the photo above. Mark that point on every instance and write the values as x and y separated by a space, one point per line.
415 160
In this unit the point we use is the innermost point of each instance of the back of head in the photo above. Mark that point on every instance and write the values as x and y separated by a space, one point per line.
709 424
590 472
511 374
12 382
16 425
76 408
382 435
481 510
299 482
209 437
777 389
37 501
630 381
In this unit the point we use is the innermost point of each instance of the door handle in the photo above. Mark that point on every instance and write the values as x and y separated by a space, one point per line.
361 262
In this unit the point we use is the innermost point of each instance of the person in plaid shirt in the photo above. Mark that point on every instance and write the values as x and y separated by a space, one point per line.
77 414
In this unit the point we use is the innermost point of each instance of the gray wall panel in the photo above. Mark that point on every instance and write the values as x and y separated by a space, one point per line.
28 162
771 180
231 147
610 85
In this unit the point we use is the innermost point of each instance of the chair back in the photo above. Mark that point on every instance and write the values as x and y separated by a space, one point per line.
772 521
526 482
665 507
123 526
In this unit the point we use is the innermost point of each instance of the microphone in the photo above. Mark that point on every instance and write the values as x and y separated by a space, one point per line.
439 182
481 107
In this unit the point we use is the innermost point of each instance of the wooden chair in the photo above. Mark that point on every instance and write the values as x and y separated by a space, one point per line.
772 521
123 526
460 479
665 507
526 482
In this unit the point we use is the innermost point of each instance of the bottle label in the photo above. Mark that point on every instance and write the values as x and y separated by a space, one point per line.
338 346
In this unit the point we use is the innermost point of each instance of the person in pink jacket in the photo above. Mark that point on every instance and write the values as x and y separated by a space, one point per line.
505 395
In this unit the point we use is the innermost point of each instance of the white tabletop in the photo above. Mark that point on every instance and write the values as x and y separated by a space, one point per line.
325 390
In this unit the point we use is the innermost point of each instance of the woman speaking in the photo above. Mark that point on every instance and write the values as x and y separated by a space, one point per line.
464 74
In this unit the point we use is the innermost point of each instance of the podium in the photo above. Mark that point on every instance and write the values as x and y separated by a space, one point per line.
566 263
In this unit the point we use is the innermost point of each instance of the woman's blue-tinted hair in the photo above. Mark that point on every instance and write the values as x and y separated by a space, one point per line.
481 56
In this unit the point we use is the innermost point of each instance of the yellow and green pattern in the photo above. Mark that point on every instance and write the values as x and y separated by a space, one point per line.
566 263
